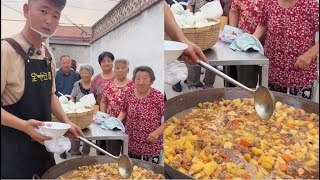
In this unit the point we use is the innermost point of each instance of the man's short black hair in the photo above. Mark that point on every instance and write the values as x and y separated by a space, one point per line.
63 56
57 3
105 54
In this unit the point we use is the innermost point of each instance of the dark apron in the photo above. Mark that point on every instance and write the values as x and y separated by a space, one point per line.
21 157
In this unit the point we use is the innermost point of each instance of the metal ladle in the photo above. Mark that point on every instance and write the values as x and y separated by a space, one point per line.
264 101
125 165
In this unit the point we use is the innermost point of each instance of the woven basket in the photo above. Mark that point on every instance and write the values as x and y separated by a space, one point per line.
83 120
204 37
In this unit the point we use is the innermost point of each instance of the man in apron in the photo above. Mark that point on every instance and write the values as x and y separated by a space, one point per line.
28 93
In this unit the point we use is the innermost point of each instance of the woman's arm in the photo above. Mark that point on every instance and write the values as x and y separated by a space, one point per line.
122 116
233 17
260 31
103 106
154 135
305 59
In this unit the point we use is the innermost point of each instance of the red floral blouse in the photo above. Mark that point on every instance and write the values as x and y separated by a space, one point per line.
249 13
143 117
97 86
291 32
112 96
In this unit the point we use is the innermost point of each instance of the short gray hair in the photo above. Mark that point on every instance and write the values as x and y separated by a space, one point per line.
144 69
87 67
122 60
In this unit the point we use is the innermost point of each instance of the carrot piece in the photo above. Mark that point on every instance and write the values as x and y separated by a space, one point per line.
205 161
198 133
236 122
244 143
308 118
291 126
246 175
223 156
228 177
248 117
165 126
286 158
185 166
283 167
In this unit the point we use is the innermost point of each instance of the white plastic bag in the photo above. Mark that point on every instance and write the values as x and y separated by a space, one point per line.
88 100
175 72
212 10
177 8
56 144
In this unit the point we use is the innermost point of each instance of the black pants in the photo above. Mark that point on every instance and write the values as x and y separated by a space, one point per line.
304 92
112 146
154 158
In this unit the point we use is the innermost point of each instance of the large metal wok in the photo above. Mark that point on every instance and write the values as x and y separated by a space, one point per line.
69 165
186 101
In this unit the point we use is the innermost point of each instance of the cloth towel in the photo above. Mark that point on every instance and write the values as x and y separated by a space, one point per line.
247 42
113 123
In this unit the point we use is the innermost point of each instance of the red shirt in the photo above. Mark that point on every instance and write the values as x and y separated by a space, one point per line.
97 86
291 32
112 96
143 117
250 12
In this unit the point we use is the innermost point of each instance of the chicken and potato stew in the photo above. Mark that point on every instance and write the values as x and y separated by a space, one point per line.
109 171
227 140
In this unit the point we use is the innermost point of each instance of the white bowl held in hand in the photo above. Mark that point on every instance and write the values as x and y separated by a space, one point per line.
54 129
172 50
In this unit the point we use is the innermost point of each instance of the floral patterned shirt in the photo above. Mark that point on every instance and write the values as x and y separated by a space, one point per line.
78 91
97 86
143 117
291 32
112 96
250 12
197 4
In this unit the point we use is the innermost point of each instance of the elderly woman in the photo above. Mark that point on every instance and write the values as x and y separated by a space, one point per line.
112 98
291 26
112 93
81 88
98 83
143 107
246 15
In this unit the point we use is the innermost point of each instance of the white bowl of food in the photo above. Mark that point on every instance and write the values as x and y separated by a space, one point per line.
54 129
172 50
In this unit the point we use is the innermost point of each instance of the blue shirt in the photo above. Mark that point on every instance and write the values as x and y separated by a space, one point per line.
64 83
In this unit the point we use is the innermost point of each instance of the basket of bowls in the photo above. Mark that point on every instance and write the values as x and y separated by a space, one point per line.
83 119
202 31
80 113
